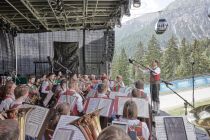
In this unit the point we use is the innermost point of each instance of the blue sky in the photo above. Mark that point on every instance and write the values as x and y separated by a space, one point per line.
147 6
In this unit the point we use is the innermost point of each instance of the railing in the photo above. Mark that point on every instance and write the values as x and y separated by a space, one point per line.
200 81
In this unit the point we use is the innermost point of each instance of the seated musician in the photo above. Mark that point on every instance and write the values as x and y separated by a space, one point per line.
47 85
21 94
33 90
86 84
102 91
130 116
37 83
61 89
138 94
113 133
94 82
138 91
61 109
73 91
9 130
8 96
104 76
118 83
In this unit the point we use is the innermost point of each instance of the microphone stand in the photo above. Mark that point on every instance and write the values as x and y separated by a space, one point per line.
186 103
193 82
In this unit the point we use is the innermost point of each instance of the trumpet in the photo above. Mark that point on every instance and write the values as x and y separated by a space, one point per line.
200 117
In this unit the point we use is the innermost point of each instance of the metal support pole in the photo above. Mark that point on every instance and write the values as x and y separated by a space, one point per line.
193 82
83 53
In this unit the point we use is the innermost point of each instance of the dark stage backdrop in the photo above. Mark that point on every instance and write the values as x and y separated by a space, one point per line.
7 52
37 46
66 53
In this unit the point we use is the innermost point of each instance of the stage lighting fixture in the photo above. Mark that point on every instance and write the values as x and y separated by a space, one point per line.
136 3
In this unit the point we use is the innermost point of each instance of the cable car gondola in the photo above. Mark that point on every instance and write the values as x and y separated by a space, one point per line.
161 26
136 3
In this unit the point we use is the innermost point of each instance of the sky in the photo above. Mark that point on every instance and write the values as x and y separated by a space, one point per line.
147 6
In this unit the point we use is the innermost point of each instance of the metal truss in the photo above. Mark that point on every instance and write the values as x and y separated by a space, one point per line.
34 15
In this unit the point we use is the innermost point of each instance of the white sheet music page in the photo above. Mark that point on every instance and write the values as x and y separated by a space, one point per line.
106 105
160 128
91 94
122 89
68 99
92 105
63 134
63 127
63 99
112 95
47 99
142 106
120 106
72 101
35 120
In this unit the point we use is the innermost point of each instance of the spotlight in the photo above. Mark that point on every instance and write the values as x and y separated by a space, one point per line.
136 3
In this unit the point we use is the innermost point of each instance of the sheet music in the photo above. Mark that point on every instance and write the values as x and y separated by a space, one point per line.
160 129
91 94
142 106
35 120
120 106
47 98
63 125
64 134
69 99
161 132
64 120
113 95
122 89
92 105
105 104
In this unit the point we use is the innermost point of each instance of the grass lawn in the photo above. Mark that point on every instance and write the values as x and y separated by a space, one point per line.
180 110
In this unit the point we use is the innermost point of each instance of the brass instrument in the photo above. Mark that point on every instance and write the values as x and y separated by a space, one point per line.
89 124
200 117
20 115
33 100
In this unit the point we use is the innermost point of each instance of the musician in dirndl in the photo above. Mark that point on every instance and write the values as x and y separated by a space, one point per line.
9 96
130 112
74 91
47 85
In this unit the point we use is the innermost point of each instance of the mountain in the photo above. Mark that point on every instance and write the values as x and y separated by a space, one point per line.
186 19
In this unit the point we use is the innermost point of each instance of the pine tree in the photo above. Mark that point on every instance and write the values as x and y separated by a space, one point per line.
114 68
184 69
201 63
170 60
153 50
139 57
123 67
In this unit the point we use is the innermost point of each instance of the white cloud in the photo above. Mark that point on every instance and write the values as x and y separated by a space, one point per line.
147 6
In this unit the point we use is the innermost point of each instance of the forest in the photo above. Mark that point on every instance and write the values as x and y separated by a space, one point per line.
176 61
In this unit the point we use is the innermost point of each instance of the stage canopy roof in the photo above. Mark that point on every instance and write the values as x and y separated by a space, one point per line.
53 15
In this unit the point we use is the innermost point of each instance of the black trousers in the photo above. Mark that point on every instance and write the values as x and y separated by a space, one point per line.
154 90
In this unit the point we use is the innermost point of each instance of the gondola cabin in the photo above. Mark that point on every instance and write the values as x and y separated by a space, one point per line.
161 26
